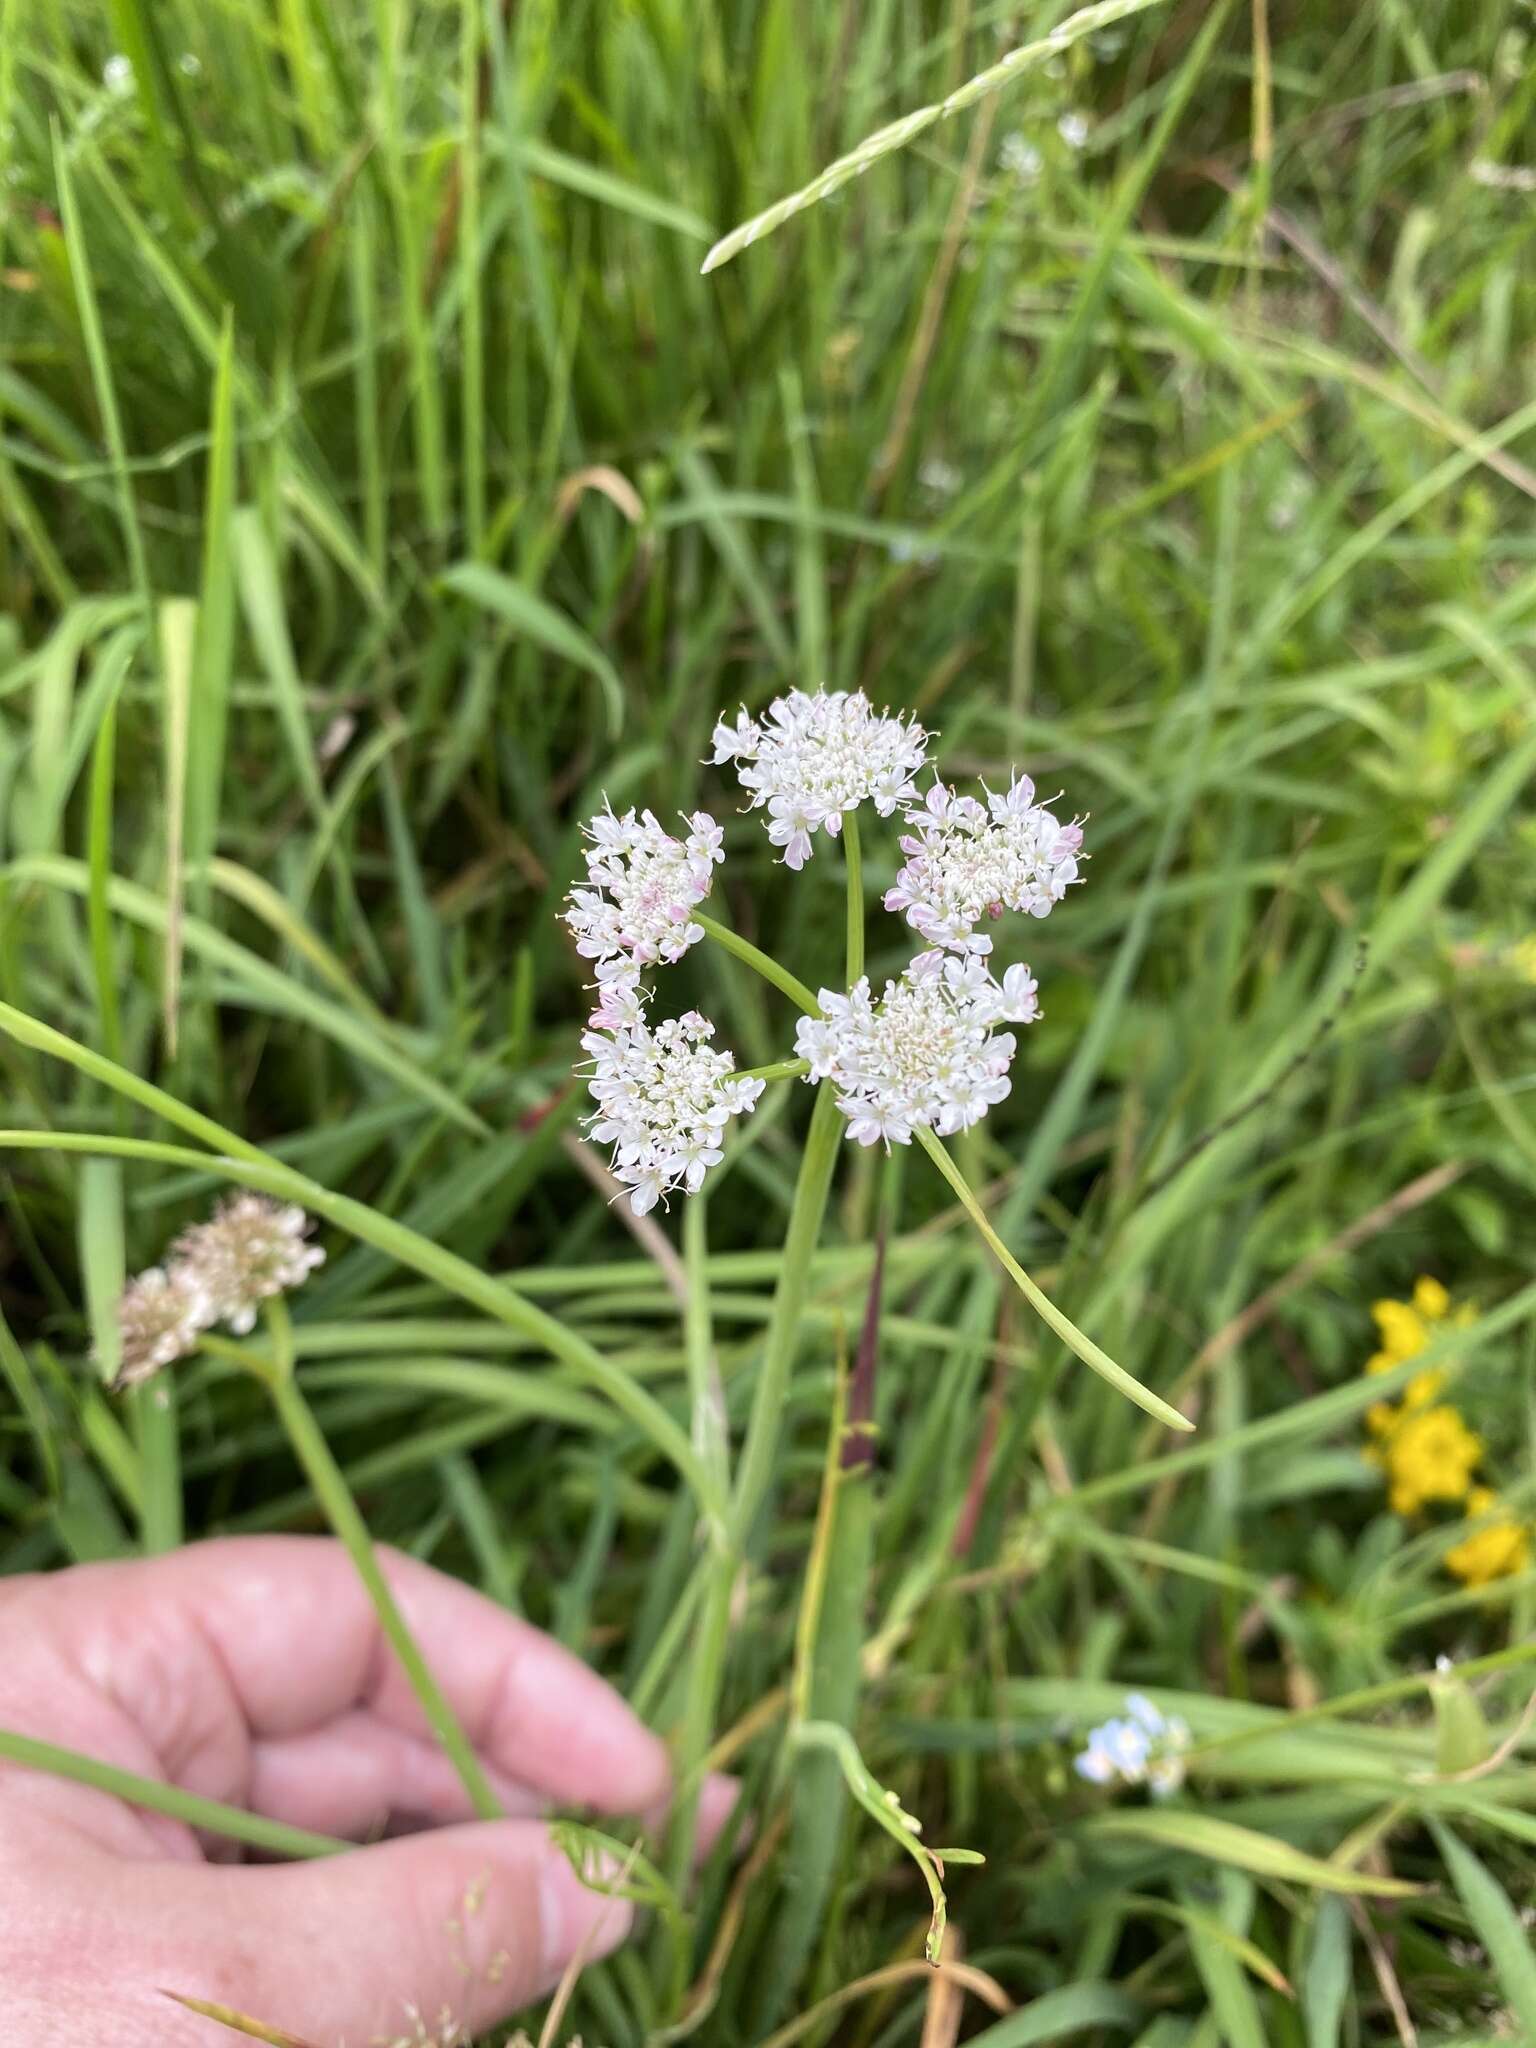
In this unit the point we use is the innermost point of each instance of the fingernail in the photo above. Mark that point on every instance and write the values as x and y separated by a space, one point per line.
719 1799
573 1918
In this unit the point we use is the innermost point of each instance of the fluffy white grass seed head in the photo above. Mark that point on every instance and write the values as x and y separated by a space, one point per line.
161 1313
251 1249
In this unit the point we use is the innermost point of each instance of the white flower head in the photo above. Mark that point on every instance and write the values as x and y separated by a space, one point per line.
927 1055
663 1099
1020 158
117 73
1146 1748
642 882
161 1313
968 860
250 1249
812 759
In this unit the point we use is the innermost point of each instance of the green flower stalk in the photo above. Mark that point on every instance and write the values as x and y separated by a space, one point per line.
920 1061
231 1270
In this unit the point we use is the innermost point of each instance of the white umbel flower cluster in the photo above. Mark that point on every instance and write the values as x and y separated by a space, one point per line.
967 861
251 1249
218 1272
1146 1748
926 1055
663 1097
812 759
642 883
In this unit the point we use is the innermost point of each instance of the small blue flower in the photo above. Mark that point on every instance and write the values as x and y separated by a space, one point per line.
1147 1748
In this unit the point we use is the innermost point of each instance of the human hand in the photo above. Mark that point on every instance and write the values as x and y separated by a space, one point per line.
252 1671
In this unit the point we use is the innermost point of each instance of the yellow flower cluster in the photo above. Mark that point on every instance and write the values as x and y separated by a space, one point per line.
1500 1546
1423 1445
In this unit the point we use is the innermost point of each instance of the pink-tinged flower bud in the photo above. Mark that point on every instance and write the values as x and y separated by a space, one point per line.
251 1249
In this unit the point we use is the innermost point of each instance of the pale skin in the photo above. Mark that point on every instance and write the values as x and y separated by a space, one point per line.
252 1671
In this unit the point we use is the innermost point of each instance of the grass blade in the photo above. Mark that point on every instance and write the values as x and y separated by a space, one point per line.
1241 1848
178 630
897 134
539 621
1496 1923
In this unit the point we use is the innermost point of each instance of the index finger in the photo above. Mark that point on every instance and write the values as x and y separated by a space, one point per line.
284 1623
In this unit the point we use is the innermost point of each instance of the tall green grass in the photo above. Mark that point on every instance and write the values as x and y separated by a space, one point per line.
380 481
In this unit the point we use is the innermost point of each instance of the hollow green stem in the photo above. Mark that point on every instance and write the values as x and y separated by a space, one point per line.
1043 1306
706 1394
759 1450
341 1511
853 863
706 1673
232 1822
760 962
706 1668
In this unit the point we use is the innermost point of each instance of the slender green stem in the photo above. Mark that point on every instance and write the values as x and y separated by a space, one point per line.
1045 1308
671 1644
706 1394
247 1166
760 962
853 861
755 1471
1366 1699
776 1070
706 1669
211 1814
706 1673
280 1329
341 1511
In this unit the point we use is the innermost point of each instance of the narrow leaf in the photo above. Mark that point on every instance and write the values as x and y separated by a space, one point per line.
538 620
1222 1841
1046 1309
178 630
1497 1924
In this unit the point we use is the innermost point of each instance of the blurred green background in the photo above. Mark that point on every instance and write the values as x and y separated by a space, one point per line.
381 482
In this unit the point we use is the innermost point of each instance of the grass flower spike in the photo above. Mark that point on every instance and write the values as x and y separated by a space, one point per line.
161 1313
1146 1748
642 883
250 1250
663 1098
926 1055
812 759
967 861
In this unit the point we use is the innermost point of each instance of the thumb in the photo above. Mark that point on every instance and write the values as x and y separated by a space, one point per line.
463 1924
